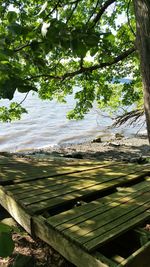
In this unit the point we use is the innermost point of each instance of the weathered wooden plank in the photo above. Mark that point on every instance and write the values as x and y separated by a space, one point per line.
121 169
4 160
58 191
57 181
66 186
140 257
143 234
83 210
91 172
104 206
51 160
28 173
39 170
103 258
95 225
66 248
58 199
24 190
16 211
55 199
75 233
120 226
111 215
54 183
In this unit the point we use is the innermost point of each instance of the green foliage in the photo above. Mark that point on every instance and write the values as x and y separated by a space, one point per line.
47 47
6 242
14 112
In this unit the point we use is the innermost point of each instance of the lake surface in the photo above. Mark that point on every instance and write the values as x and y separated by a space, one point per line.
46 125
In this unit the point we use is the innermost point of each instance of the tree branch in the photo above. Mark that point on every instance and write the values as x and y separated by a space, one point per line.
73 10
21 47
94 10
116 60
55 7
44 76
68 3
128 18
130 117
101 11
59 4
29 44
23 99
73 2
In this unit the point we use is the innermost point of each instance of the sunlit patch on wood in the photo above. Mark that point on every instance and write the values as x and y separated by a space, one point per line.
80 207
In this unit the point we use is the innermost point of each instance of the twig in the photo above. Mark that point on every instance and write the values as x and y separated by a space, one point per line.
21 47
93 12
18 104
140 128
23 99
55 7
44 76
131 116
102 10
73 10
128 18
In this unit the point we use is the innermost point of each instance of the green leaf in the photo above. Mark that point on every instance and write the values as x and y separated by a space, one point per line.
14 112
12 16
110 37
92 40
79 48
5 228
58 61
15 28
6 244
7 89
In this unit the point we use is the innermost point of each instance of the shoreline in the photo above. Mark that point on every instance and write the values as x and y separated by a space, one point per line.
116 148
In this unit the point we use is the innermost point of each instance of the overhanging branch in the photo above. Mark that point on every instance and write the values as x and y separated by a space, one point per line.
116 60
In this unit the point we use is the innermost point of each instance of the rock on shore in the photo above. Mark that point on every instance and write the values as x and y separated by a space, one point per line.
118 148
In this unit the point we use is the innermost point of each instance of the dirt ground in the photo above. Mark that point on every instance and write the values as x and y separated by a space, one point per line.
28 251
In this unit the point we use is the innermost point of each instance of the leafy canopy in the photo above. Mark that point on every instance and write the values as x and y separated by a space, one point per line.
52 47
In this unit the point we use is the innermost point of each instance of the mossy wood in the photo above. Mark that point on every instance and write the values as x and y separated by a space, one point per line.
78 207
19 170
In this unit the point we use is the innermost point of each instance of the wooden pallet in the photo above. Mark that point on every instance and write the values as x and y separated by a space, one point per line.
86 210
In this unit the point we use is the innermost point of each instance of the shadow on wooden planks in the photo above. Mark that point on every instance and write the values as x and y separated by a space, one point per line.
86 210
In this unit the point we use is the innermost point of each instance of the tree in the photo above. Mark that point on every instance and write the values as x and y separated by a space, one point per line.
142 13
52 47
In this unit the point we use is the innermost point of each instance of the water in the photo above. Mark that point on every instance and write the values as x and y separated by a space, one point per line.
46 125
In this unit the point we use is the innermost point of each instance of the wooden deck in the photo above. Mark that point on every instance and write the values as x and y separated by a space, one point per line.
93 213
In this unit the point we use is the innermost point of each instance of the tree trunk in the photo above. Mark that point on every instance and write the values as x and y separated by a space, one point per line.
142 14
